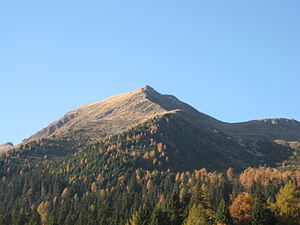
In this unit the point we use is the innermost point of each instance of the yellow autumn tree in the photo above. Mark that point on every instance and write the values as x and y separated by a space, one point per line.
287 205
94 187
42 211
134 220
65 193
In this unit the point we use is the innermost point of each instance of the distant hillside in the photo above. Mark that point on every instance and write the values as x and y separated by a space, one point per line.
271 129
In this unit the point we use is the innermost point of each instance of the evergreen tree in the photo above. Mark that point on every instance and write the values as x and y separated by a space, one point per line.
158 217
174 209
223 215
142 217
261 215
197 216
134 220
201 198
205 198
144 214
197 196
184 201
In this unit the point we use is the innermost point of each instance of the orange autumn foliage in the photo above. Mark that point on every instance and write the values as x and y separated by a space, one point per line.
229 174
241 209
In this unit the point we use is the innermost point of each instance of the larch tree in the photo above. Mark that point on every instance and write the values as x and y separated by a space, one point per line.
42 209
229 174
134 220
287 205
241 209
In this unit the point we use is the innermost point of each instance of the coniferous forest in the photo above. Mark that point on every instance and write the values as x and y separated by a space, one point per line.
130 179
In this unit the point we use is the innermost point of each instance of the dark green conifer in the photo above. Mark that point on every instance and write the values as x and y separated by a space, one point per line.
174 209
261 215
223 214
158 217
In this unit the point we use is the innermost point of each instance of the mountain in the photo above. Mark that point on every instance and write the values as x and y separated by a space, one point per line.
6 147
92 122
147 158
192 139
271 129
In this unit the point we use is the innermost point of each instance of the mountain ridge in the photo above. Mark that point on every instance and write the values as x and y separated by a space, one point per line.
150 98
251 142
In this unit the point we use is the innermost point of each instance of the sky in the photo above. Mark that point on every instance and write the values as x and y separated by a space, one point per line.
234 60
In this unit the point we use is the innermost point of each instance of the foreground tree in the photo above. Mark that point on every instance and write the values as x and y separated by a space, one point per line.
197 216
261 215
241 209
134 220
223 214
42 210
174 209
287 205
158 217
142 217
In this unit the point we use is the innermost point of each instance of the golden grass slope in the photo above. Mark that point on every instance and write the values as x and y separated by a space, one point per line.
94 121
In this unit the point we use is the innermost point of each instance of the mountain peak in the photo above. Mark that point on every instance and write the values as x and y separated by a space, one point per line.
147 90
94 121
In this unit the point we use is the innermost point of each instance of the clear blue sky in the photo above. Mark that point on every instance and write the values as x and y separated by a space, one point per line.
234 60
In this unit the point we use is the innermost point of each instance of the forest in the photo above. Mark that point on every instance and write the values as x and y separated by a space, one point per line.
131 179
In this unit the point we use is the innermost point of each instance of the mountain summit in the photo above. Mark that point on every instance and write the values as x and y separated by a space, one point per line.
190 138
94 121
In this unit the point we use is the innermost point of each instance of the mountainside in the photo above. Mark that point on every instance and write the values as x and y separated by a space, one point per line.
92 122
124 179
271 129
147 158
110 116
193 139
